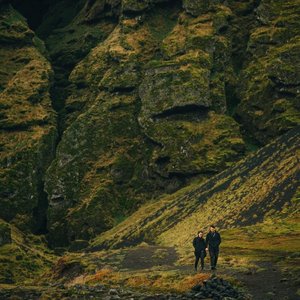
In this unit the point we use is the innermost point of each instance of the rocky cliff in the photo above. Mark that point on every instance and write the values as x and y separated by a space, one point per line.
28 123
109 104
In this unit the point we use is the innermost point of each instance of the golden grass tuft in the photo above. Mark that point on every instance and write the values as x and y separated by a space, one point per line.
103 274
139 281
188 282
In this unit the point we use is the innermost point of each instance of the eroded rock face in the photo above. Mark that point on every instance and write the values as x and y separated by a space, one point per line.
270 82
5 233
183 100
101 163
28 125
148 95
153 116
196 8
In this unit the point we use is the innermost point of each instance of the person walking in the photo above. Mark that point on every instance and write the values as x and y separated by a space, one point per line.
199 246
213 241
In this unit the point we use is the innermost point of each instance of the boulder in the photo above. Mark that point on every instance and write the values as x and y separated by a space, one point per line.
5 233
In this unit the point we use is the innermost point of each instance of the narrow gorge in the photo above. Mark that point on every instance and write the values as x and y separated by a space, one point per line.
133 121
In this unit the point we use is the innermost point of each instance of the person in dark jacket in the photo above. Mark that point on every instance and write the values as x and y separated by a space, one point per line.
213 241
199 245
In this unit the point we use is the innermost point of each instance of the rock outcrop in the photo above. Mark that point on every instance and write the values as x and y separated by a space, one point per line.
27 125
270 80
151 116
5 233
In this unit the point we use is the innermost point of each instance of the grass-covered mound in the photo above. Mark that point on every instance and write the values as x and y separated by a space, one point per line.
24 257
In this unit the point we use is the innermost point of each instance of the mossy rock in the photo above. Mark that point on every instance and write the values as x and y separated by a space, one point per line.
109 159
270 105
124 77
134 5
28 123
138 6
78 245
24 257
198 7
229 199
202 142
195 7
105 152
169 87
5 233
13 27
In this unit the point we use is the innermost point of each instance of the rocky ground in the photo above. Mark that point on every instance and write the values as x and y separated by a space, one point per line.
214 288
262 280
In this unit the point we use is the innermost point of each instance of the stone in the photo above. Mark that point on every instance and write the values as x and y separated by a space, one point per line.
195 7
78 245
5 233
28 123
269 107
168 87
114 297
113 292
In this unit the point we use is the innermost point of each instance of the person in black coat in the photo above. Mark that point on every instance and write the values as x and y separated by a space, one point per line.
199 245
213 241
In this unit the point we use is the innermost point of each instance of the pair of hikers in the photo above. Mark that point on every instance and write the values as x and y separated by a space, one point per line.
211 243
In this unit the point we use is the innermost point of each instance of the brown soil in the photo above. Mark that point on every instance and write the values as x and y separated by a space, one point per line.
147 257
270 283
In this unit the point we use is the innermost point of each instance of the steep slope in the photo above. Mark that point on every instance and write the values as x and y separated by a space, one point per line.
258 186
24 257
27 125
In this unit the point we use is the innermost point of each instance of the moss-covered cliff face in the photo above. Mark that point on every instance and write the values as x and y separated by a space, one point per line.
23 257
269 89
259 186
27 125
149 96
148 114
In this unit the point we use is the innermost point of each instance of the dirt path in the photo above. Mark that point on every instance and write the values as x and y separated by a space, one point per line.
266 282
148 257
269 283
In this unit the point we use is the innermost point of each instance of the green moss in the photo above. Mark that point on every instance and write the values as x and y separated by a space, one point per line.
198 147
53 20
39 44
24 258
195 7
134 5
13 27
121 77
105 148
224 200
268 78
167 87
5 233
161 21
28 129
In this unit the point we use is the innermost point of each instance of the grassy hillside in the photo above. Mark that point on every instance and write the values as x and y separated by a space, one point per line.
258 186
24 258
